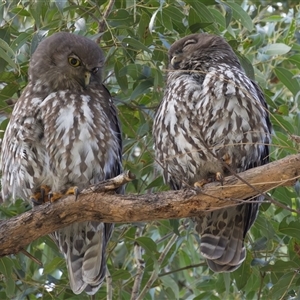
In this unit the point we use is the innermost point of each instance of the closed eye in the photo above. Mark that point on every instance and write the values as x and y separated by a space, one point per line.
189 42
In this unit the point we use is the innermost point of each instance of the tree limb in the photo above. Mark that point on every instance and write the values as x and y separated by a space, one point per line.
99 203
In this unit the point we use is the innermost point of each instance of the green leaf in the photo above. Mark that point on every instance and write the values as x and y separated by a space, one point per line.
52 266
288 79
148 245
260 244
170 283
122 80
6 266
276 49
135 44
141 88
290 228
10 287
295 59
133 70
143 29
20 41
281 266
20 11
120 17
283 110
6 52
61 4
173 12
247 66
240 15
8 91
203 13
291 32
283 285
218 17
120 275
273 18
241 275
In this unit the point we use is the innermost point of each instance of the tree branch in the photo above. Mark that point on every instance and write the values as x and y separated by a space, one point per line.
99 203
102 23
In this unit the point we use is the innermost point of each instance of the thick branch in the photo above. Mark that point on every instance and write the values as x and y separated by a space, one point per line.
97 204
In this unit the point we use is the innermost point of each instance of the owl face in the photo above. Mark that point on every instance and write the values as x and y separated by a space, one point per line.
66 61
190 51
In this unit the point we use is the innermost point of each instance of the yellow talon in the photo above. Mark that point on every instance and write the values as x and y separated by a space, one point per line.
41 196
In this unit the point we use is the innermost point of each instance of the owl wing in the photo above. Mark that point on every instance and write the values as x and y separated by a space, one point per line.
115 125
23 155
223 231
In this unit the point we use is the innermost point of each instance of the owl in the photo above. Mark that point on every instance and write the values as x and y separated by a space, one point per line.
64 135
212 122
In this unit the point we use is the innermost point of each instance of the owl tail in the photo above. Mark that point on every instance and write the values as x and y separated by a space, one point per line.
222 236
85 255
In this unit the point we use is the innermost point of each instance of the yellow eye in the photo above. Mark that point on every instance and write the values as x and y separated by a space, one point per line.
73 61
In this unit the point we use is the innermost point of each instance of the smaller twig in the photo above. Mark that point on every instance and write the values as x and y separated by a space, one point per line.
102 23
288 287
203 264
110 184
160 260
140 265
109 293
37 261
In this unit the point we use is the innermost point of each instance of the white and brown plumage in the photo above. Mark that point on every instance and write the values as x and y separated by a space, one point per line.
212 115
64 132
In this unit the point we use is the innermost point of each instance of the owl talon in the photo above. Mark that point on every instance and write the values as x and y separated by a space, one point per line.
227 159
54 196
220 177
41 196
201 183
73 190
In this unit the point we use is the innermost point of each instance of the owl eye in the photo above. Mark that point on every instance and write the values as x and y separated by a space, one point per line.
74 62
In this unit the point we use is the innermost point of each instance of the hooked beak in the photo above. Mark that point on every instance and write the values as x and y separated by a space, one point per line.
87 78
176 60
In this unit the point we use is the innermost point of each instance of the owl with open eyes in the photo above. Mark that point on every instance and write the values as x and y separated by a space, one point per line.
63 136
212 122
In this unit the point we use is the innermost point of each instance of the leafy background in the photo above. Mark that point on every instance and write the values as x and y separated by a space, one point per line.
266 37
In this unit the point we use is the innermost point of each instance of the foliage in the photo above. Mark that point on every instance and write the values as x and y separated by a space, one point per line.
138 34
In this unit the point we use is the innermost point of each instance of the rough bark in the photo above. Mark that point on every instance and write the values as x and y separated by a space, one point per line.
100 203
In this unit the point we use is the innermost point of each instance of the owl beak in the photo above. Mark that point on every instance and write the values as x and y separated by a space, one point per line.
175 60
87 77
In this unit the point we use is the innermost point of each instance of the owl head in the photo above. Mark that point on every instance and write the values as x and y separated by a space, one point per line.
198 50
66 61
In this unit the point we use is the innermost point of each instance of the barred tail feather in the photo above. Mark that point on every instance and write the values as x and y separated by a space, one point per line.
222 236
84 246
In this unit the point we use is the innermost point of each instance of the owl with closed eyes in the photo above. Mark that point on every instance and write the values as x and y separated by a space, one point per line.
63 136
212 122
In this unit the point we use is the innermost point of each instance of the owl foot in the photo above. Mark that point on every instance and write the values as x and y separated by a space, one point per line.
201 183
227 159
217 177
220 177
71 191
41 196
